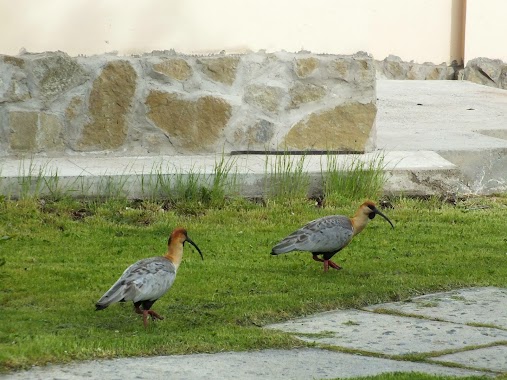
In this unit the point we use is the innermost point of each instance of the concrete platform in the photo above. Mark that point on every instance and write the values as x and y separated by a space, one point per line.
465 123
479 306
303 364
488 358
423 172
407 340
434 137
471 323
388 334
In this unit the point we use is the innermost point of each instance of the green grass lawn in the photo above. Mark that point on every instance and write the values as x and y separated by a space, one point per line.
61 257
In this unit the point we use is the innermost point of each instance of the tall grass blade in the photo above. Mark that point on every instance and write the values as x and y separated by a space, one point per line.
286 177
353 178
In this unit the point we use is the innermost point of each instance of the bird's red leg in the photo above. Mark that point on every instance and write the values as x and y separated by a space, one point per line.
145 318
326 265
154 315
334 265
144 313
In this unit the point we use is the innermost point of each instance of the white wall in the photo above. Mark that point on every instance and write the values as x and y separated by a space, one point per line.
422 30
486 29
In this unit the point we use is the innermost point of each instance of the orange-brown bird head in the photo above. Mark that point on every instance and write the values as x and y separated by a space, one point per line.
180 236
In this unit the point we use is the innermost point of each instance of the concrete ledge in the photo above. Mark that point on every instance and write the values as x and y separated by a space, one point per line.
420 172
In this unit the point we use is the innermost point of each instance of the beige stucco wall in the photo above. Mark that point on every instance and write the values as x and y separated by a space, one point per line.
486 29
422 31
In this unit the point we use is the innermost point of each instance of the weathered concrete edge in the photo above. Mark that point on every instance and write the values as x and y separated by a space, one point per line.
410 173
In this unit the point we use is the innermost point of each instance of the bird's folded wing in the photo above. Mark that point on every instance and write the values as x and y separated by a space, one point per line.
321 235
147 279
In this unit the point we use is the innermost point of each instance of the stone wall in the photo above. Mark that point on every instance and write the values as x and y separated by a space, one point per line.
490 72
52 104
486 71
393 67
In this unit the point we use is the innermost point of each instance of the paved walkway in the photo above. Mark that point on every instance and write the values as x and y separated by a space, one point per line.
458 333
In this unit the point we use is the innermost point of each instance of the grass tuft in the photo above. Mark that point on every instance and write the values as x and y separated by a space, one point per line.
192 191
355 178
286 178
31 180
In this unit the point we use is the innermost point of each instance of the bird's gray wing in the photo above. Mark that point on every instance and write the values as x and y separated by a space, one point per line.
327 234
146 279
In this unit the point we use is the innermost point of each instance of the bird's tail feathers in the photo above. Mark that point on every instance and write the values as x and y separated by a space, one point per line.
113 295
282 247
99 306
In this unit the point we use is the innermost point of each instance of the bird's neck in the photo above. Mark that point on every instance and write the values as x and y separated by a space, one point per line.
175 254
359 221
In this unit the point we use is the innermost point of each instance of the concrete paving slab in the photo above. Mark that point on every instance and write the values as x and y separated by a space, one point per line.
464 122
440 116
94 166
485 306
388 334
489 358
268 364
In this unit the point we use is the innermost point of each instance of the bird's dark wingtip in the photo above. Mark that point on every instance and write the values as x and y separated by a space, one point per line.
273 253
99 307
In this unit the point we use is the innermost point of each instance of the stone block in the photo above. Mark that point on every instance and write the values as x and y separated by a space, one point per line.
255 137
490 72
393 68
50 135
340 68
364 70
14 61
267 98
23 131
111 97
13 80
503 78
191 125
220 69
55 73
358 69
345 127
174 68
304 67
302 93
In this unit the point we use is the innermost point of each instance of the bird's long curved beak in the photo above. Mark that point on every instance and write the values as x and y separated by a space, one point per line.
383 216
196 247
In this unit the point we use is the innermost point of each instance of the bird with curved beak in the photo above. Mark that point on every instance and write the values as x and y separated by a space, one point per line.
145 281
328 235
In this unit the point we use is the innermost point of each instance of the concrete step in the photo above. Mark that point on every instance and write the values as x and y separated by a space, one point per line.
463 122
421 172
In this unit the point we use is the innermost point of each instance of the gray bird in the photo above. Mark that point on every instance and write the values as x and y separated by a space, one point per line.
328 235
145 281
